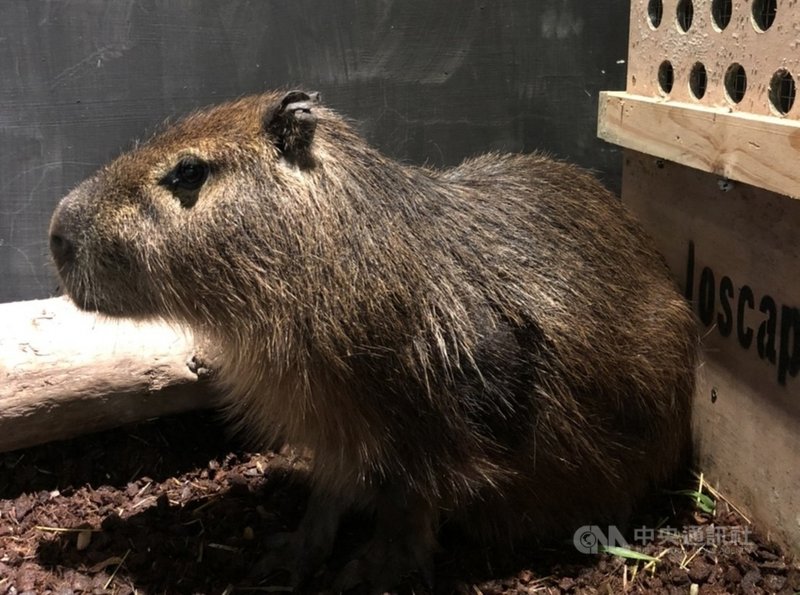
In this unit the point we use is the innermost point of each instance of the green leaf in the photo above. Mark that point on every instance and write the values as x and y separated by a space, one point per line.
703 502
626 553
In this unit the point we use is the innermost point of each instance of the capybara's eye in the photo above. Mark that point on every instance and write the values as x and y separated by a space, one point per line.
186 178
191 173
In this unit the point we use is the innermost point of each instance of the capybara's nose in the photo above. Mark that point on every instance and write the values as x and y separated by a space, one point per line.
61 246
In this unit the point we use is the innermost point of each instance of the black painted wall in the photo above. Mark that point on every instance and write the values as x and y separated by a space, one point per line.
427 80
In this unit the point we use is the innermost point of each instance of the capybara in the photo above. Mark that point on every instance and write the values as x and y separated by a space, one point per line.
498 344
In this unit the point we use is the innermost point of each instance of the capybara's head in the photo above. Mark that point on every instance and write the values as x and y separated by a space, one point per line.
174 227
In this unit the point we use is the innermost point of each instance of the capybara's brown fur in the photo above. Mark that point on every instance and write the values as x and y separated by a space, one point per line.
498 342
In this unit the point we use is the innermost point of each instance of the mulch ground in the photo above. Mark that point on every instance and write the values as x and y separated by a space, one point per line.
177 506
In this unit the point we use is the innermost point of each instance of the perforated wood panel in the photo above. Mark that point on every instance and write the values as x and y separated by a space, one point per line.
712 84
737 54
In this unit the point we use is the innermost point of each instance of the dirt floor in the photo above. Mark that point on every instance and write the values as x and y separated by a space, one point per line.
175 506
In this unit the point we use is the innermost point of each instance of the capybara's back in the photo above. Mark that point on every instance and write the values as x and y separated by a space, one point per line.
605 344
498 343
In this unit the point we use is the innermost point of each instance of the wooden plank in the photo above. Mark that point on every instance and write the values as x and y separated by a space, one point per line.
758 150
734 251
64 372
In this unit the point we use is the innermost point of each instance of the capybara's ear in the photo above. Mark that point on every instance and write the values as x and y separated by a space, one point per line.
291 123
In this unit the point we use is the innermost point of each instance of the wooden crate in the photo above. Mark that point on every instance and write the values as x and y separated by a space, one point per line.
712 168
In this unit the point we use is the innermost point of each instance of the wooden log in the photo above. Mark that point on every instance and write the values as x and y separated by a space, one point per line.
64 372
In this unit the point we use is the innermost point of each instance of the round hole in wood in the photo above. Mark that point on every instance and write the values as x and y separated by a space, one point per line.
735 82
685 15
782 92
655 10
721 12
666 77
698 80
764 12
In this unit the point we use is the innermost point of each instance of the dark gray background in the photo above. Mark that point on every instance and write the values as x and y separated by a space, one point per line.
428 81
